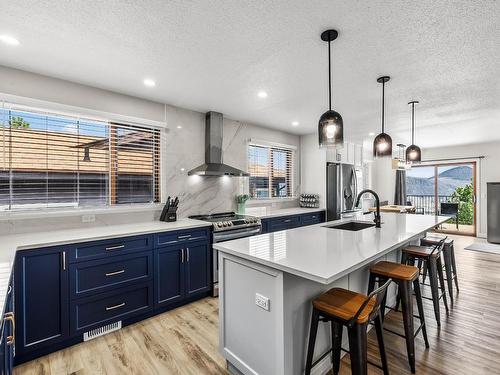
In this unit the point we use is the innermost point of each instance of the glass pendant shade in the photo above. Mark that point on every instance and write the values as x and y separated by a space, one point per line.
413 152
382 145
331 130
330 124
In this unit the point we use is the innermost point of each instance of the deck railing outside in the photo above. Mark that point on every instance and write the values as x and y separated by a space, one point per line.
427 202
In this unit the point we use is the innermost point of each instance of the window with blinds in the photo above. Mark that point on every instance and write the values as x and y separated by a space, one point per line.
271 170
52 160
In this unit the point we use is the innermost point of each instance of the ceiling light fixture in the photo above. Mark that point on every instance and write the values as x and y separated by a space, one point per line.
330 125
295 123
371 134
149 82
10 40
382 144
262 94
413 152
179 127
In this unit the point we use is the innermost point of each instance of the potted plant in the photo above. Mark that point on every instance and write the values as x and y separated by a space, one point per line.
240 200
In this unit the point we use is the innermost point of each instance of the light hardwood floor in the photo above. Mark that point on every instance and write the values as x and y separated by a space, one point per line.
185 340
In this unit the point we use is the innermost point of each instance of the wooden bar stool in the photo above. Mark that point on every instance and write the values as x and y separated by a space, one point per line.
343 307
450 266
404 276
430 256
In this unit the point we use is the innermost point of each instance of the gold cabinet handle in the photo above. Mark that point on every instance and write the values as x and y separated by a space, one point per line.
114 273
10 317
115 306
115 247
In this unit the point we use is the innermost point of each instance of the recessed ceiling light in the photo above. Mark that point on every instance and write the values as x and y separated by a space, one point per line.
295 123
262 94
371 134
149 82
179 127
183 169
10 40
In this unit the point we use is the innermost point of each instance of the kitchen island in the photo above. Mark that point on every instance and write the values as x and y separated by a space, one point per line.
267 283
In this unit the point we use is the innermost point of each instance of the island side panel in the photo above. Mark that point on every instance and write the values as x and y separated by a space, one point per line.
251 338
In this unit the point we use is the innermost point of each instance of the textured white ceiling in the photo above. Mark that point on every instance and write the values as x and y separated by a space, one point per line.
217 54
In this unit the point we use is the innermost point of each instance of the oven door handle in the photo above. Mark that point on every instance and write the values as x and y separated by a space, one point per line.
236 234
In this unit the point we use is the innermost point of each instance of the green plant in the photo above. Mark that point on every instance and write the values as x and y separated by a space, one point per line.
464 196
18 123
242 198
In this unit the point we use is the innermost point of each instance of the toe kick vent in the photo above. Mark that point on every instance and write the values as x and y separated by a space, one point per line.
101 331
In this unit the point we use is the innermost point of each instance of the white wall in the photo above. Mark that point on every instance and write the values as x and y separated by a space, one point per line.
313 167
182 148
488 170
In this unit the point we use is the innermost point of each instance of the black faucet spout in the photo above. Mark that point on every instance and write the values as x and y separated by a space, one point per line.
377 201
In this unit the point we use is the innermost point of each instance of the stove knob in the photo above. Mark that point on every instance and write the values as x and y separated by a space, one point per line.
219 224
226 223
229 223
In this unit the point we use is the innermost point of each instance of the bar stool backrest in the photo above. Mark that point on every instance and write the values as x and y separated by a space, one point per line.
379 295
439 246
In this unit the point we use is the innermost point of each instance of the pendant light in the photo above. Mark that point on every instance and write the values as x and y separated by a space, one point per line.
330 125
382 144
413 152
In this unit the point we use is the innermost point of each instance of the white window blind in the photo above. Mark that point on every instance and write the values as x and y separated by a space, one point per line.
271 171
53 160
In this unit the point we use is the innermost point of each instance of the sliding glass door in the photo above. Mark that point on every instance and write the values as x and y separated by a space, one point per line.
445 189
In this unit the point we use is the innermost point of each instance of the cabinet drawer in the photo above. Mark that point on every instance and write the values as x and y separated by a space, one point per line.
105 248
89 313
285 222
174 238
104 274
312 218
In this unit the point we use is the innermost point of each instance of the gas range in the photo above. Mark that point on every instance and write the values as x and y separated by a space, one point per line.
228 221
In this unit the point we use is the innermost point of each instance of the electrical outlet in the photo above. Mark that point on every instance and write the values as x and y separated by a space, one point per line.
88 218
261 301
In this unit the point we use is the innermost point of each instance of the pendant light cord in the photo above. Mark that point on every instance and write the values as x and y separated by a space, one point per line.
383 104
329 77
412 123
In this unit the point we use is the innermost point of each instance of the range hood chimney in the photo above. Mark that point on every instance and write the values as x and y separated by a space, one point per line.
213 150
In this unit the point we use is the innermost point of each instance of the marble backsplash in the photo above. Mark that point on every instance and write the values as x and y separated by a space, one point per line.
183 148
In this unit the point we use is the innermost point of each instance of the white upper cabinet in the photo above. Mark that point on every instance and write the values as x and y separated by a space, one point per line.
350 154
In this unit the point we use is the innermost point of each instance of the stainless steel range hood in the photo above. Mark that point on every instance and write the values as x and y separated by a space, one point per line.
213 150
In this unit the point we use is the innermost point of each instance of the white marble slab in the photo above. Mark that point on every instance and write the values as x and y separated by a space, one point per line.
323 254
267 212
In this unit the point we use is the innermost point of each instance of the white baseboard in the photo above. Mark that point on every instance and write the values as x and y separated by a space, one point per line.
481 235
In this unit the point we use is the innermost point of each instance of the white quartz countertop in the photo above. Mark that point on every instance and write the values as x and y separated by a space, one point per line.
323 254
266 212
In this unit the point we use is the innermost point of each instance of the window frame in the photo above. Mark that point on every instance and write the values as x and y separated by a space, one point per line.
108 122
293 170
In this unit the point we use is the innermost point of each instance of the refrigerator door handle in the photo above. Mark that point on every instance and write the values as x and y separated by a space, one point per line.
355 187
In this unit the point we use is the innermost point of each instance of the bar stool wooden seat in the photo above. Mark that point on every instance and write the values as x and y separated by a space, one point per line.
404 276
450 266
430 257
343 307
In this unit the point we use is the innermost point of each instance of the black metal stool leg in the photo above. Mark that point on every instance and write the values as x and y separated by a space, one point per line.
448 270
381 346
439 265
420 306
454 265
336 346
312 340
358 349
407 307
433 278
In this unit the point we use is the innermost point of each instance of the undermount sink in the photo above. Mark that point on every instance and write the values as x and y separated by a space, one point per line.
353 226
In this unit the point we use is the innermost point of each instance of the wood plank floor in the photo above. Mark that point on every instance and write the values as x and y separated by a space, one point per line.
185 340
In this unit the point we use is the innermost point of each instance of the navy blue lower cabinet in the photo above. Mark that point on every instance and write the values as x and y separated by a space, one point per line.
275 224
197 264
312 218
7 335
41 298
169 275
104 308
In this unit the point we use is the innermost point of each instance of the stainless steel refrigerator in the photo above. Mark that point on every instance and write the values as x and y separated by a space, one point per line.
493 210
343 182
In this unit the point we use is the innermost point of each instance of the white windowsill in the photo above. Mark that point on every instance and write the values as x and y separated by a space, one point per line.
257 202
62 212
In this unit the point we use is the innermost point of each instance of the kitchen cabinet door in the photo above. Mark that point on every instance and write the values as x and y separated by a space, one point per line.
169 275
197 263
42 298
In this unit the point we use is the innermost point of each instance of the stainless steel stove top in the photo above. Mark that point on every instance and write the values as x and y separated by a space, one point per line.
225 221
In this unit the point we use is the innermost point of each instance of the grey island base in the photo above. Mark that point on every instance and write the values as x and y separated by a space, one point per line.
267 283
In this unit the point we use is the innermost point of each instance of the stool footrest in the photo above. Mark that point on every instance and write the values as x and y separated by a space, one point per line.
370 362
